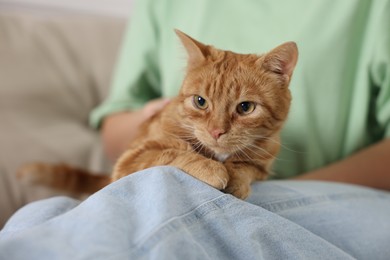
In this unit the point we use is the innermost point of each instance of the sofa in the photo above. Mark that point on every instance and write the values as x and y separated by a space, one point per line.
55 67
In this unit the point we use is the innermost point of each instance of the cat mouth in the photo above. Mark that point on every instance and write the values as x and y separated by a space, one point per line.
216 150
221 152
220 149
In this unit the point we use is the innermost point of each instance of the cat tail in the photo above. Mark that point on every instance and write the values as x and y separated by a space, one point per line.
62 177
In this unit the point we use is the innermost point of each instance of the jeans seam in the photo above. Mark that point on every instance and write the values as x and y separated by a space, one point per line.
282 205
148 241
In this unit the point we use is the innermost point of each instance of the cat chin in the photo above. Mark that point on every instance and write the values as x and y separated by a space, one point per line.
221 156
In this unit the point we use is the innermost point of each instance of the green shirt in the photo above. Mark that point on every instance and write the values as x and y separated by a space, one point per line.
340 88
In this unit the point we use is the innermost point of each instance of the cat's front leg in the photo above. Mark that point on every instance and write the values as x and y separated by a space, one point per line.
212 172
173 153
241 176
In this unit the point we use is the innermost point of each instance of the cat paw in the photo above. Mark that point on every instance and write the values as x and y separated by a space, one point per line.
238 190
213 173
218 180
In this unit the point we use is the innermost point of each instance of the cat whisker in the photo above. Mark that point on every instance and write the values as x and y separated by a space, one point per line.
276 142
244 146
198 146
240 151
277 158
261 151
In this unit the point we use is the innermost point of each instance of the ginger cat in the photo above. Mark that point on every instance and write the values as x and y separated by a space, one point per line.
223 127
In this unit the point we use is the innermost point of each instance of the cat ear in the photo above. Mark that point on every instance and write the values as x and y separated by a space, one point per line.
197 51
282 60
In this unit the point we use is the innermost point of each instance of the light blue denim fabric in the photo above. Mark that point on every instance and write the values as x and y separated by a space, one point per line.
163 213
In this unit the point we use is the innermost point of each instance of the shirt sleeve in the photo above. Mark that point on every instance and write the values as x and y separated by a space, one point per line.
380 74
136 77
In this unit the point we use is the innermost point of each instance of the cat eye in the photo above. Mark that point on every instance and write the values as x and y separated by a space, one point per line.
245 108
200 102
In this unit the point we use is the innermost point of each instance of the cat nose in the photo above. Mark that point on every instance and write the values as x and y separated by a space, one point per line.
216 133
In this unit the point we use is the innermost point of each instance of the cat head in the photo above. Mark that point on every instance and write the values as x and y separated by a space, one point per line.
229 101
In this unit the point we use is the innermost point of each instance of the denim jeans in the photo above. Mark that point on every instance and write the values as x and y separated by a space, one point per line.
163 213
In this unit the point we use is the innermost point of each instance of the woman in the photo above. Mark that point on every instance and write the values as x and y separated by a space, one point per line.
337 131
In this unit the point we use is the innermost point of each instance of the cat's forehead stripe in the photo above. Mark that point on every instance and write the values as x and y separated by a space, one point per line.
225 84
216 88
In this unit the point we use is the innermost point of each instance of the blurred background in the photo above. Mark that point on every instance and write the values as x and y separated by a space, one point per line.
56 60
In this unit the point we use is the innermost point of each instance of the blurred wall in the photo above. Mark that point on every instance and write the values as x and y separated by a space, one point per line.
56 60
108 7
